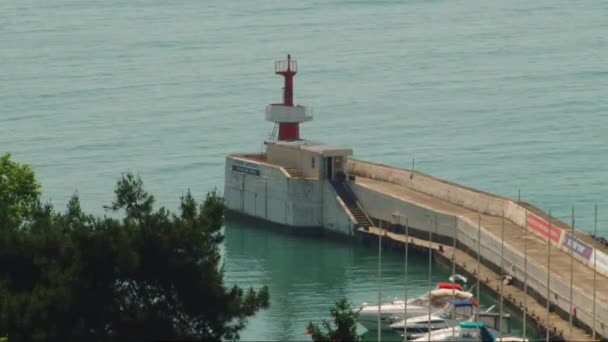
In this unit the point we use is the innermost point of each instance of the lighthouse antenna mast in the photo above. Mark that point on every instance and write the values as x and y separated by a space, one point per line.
287 115
287 69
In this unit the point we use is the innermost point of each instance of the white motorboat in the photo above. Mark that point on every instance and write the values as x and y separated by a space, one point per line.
453 313
467 331
394 311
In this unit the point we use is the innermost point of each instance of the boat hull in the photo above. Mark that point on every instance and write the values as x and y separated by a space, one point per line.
390 314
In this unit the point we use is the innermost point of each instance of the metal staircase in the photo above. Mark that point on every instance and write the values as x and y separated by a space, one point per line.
273 134
350 200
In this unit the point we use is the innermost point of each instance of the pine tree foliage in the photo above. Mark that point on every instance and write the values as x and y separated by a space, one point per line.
344 327
149 275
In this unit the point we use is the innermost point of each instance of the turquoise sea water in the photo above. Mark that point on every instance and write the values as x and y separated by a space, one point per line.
502 96
307 276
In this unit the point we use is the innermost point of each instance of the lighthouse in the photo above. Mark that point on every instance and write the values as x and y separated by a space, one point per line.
287 115
296 183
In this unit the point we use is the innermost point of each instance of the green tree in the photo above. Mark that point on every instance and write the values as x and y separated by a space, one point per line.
19 191
344 327
151 274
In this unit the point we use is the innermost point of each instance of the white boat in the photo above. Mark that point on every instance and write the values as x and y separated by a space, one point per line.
453 313
467 331
394 311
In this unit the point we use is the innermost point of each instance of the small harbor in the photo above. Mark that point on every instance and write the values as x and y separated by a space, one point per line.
489 281
309 187
323 269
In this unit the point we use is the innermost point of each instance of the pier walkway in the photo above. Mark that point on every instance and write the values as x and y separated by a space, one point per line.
514 236
512 296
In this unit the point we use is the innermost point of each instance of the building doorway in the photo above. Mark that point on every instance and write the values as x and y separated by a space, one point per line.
329 168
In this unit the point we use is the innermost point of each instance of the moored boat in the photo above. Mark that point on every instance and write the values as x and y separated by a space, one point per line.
467 331
451 315
394 311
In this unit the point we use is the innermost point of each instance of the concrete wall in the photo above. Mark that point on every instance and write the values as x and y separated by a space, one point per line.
281 154
306 202
263 195
301 159
481 202
336 216
266 191
382 206
296 158
599 260
462 196
272 195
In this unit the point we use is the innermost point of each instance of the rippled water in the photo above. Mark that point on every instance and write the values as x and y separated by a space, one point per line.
502 96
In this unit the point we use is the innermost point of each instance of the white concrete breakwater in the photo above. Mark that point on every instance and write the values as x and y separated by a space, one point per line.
267 191
305 194
450 210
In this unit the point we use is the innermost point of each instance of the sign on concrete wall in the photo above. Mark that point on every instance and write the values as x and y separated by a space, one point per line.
601 259
578 246
541 227
245 167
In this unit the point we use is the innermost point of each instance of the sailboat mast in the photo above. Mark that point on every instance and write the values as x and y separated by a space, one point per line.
454 274
430 270
525 318
594 270
502 269
478 261
406 273
548 278
380 282
571 271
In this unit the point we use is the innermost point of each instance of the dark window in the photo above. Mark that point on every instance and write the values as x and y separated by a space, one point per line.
313 162
329 171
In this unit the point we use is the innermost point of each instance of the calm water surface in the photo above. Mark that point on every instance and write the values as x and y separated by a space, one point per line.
306 275
502 96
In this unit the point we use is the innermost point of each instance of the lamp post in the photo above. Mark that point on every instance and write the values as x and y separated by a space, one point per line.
243 192
397 217
478 260
380 282
572 271
502 268
525 318
430 220
594 271
265 196
454 238
548 322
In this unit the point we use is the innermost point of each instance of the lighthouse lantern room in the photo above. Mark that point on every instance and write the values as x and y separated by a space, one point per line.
287 115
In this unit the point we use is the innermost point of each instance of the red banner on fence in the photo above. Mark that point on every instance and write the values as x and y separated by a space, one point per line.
541 226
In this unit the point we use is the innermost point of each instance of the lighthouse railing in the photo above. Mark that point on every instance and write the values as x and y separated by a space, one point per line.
278 112
281 66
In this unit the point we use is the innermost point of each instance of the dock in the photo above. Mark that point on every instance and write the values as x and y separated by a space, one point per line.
397 202
489 280
307 186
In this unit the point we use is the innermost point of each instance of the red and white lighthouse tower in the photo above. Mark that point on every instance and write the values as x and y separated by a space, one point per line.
287 115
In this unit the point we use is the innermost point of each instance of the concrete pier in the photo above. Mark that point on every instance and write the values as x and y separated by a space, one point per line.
489 280
391 195
307 186
309 199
